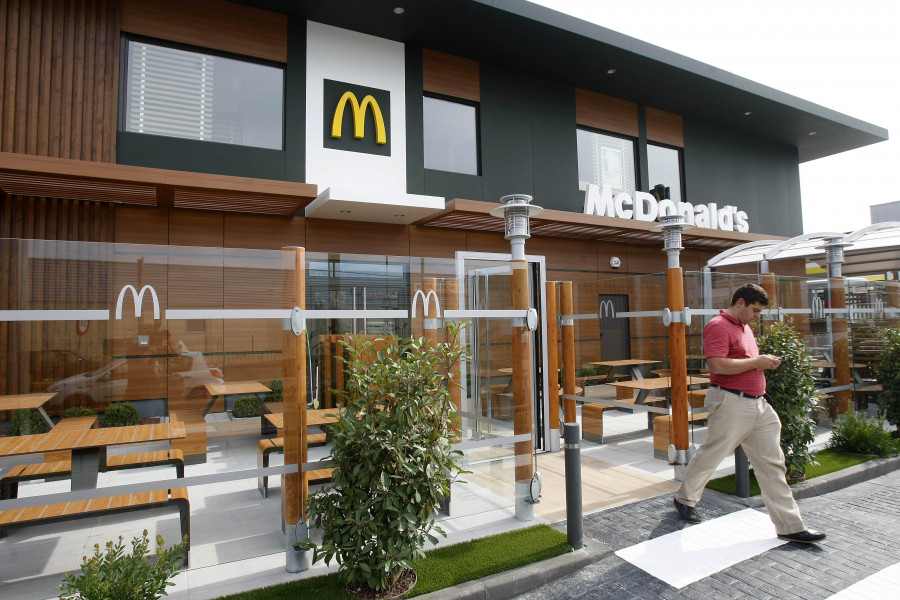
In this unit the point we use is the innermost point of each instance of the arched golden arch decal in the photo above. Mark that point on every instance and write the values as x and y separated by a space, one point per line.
359 117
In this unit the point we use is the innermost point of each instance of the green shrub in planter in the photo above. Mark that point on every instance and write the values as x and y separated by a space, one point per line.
887 370
277 393
792 389
858 434
28 422
246 406
78 411
392 458
114 573
120 414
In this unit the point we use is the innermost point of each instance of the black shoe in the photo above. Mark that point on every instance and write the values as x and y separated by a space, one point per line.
809 536
689 513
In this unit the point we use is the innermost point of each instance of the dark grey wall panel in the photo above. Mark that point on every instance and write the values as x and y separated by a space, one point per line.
415 143
759 176
452 185
163 152
295 101
554 149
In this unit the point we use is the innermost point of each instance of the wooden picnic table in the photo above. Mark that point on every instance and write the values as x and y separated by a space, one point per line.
88 446
220 390
27 401
314 417
645 386
634 365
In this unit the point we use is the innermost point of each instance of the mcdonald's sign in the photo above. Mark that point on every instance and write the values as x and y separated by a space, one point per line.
356 118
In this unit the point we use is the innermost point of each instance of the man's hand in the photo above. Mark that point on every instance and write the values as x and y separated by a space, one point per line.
767 361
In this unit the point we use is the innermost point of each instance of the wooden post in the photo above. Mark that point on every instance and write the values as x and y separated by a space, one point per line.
294 486
430 321
522 388
567 307
677 359
892 289
841 346
451 302
553 352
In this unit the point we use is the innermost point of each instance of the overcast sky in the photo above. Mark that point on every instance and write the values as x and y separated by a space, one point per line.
839 54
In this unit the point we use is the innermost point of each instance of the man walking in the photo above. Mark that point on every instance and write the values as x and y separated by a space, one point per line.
740 415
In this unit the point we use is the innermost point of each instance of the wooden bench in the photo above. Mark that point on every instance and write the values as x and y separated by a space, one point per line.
270 446
194 444
64 511
662 432
592 417
9 485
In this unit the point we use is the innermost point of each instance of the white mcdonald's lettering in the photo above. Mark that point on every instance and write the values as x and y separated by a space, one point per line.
138 300
426 302
607 309
645 207
359 117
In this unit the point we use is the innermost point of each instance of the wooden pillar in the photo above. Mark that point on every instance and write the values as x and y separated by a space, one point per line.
553 352
769 282
567 307
841 338
294 486
522 388
677 359
430 321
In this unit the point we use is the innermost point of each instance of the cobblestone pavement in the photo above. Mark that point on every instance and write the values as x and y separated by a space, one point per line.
862 523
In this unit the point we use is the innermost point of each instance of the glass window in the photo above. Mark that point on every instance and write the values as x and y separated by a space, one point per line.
451 136
606 161
664 170
187 94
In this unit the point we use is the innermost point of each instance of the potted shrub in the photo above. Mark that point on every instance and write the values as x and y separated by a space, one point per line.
392 462
792 389
245 406
887 370
121 414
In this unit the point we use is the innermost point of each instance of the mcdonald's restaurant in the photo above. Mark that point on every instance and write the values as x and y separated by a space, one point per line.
201 202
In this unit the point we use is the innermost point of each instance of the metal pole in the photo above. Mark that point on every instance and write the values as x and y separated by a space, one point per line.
574 516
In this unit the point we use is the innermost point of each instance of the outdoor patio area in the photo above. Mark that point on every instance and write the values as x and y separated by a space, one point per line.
237 542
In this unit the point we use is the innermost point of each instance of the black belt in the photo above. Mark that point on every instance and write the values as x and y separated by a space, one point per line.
736 392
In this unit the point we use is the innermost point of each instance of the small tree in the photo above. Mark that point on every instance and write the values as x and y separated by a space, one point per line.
392 459
887 370
792 389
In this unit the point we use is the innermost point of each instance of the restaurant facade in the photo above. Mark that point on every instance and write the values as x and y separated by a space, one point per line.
172 171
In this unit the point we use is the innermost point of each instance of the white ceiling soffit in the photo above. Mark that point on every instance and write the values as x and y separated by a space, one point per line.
373 207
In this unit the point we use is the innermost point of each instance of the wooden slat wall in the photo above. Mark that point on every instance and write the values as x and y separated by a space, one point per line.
605 112
664 127
450 75
68 276
59 75
210 24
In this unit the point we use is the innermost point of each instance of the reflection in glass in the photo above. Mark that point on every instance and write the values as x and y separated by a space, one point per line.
606 161
664 169
451 136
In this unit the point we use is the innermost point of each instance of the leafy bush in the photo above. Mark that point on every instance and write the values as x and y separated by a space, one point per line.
858 434
28 422
887 370
122 576
121 414
392 458
277 393
78 411
792 389
246 406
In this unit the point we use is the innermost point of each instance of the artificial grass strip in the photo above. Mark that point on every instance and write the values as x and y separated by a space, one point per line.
442 567
829 461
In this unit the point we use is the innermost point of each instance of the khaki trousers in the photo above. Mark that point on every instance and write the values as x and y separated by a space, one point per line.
753 424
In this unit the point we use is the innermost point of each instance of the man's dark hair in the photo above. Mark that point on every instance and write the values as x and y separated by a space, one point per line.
751 294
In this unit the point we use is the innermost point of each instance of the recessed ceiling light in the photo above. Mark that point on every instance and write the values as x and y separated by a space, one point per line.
399 10
610 71
812 133
345 212
399 216
748 113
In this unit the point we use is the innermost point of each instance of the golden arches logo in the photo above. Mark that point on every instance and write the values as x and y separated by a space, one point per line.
359 117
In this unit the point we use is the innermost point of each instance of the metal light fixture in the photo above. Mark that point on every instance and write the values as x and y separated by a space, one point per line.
516 212
672 226
834 255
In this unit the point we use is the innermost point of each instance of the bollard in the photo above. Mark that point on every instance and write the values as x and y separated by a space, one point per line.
297 560
574 517
741 473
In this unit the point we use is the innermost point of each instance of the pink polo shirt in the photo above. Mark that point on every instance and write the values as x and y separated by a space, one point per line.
727 337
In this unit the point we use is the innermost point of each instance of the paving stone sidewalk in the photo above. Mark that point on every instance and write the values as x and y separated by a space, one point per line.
862 522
